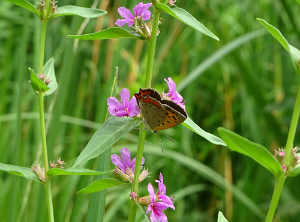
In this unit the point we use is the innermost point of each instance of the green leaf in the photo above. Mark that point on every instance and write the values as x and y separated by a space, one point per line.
111 33
109 133
256 151
50 74
24 4
196 129
36 83
99 185
294 52
221 217
186 18
79 11
74 171
20 171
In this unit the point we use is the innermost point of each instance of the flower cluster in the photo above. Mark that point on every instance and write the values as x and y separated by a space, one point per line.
46 81
280 154
125 166
125 108
40 172
173 94
43 12
137 19
156 202
58 164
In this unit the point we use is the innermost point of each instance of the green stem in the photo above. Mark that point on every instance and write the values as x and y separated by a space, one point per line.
151 49
292 131
142 133
45 158
275 198
43 40
42 124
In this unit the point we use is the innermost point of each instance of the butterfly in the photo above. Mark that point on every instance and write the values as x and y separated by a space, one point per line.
159 113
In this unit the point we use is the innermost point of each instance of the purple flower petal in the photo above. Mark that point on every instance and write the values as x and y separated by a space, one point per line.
115 159
113 105
167 200
161 186
133 108
125 95
146 15
121 22
173 94
121 113
151 193
125 13
125 154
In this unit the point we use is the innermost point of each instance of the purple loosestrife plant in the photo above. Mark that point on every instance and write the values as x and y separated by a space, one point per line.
137 19
173 94
159 202
125 108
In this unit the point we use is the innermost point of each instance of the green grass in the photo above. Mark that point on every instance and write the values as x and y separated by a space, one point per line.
250 90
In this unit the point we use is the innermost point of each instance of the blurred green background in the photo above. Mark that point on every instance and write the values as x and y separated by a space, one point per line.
245 83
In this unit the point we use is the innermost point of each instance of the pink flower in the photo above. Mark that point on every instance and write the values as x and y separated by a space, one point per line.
139 11
126 108
159 202
171 2
124 162
173 94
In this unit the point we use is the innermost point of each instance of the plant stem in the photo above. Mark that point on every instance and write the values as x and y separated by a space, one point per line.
142 133
151 49
42 124
43 40
45 159
275 198
287 159
292 130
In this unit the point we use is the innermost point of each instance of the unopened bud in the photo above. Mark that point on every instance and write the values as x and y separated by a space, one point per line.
40 172
144 201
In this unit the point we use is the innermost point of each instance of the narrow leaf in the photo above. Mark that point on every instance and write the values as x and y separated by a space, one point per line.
196 129
221 217
24 4
99 185
74 171
50 74
79 11
36 83
294 52
110 33
256 151
186 18
20 171
109 133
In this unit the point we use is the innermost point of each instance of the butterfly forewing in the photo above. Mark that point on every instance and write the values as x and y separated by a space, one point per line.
152 110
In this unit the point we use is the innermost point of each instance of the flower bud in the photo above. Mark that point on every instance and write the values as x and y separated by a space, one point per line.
40 172
144 201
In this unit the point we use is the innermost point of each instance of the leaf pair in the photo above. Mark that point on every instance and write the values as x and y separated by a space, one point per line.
38 85
62 11
176 12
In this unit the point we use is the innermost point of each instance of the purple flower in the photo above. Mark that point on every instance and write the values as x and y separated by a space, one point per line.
159 202
126 108
139 11
173 94
124 162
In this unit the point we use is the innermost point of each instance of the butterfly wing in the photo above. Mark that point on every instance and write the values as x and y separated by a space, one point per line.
172 118
152 110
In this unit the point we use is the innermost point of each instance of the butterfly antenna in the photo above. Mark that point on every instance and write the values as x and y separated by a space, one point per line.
168 137
162 148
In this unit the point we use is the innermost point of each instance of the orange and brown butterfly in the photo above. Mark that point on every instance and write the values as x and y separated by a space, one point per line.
159 113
